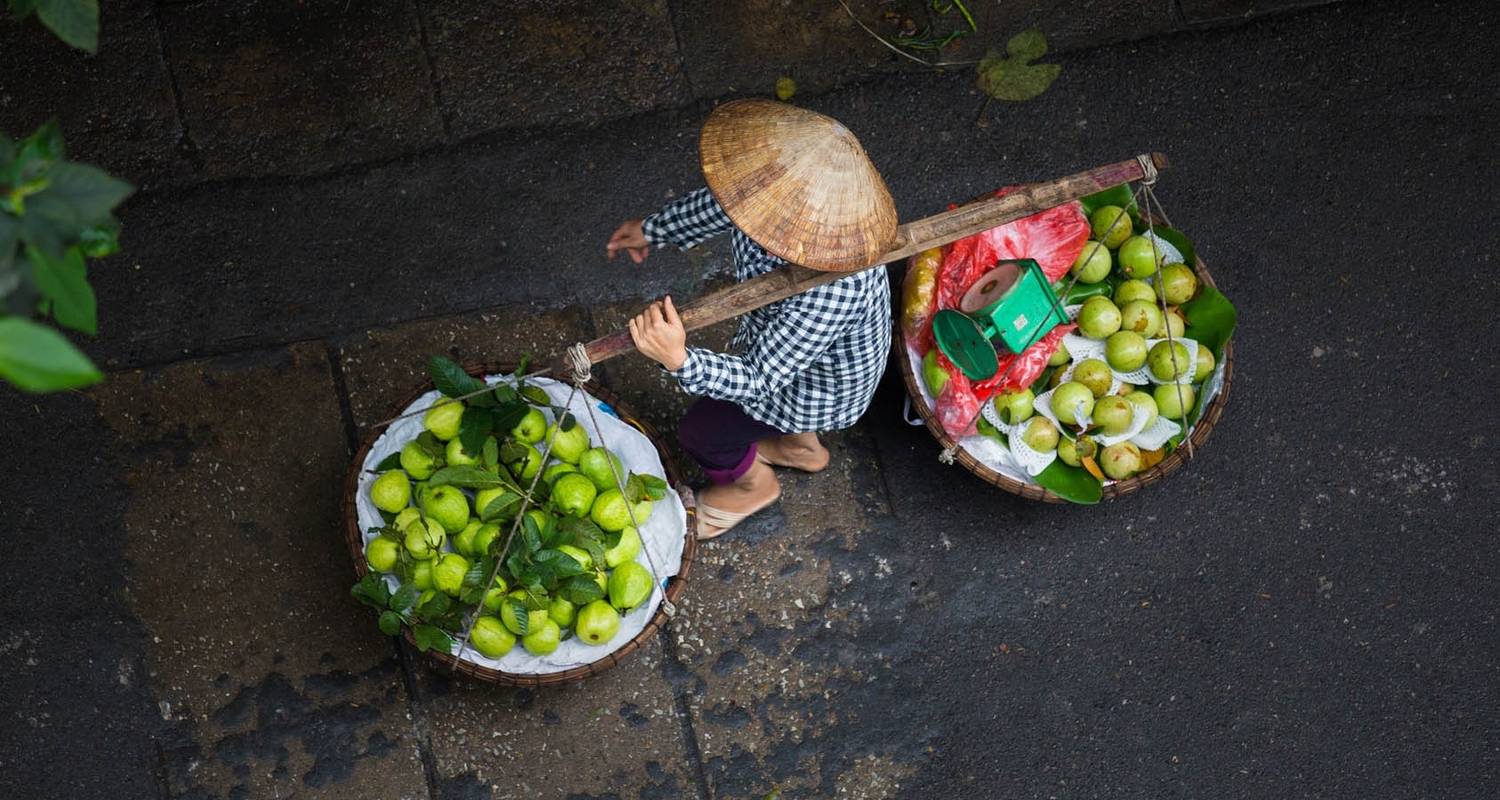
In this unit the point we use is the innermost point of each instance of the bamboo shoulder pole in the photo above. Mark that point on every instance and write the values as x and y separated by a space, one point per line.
911 238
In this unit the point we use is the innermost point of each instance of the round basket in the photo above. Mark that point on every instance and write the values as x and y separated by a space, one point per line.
675 584
1032 491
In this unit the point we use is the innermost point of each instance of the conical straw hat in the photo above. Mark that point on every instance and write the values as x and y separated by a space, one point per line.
797 183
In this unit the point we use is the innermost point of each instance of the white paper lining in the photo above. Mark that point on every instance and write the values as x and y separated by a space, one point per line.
661 535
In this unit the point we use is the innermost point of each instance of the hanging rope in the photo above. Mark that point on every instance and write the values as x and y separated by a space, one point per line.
1161 296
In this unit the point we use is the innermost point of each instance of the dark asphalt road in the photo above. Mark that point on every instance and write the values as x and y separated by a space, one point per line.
1307 609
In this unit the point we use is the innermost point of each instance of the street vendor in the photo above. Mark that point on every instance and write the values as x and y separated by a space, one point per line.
788 185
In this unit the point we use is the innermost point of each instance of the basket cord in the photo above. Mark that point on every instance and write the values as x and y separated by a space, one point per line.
950 453
1161 296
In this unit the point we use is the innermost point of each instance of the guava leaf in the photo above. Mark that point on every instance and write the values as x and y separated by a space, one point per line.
1117 195
390 623
372 591
635 489
390 462
567 422
490 453
509 415
65 285
450 378
498 507
74 21
467 477
1012 77
475 425
511 452
36 358
521 613
557 563
531 536
580 590
656 488
474 578
535 395
403 598
431 637
1073 484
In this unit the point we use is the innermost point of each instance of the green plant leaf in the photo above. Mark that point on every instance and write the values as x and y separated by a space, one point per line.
65 284
403 598
45 144
536 395
100 241
390 623
390 462
430 444
1117 195
580 590
490 453
80 195
10 276
23 8
509 415
431 637
372 591
635 489
522 614
450 378
435 606
74 21
531 535
43 234
474 427
498 507
1073 484
35 358
1210 318
656 488
1011 77
467 477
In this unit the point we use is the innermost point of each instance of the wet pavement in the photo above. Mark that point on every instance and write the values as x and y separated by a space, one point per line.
1307 609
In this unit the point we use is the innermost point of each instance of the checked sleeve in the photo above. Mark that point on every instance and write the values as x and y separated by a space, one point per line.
800 331
687 221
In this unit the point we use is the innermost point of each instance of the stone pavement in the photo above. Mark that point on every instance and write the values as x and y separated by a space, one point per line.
334 191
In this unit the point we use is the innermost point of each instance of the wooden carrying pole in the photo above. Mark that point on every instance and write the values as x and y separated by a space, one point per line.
911 238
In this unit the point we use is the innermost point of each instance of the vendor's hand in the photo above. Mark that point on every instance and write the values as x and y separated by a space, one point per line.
659 335
630 238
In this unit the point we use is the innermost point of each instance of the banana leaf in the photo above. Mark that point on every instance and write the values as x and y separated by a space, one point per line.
1113 196
1073 484
1210 318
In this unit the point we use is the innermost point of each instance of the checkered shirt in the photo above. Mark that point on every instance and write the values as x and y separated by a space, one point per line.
806 363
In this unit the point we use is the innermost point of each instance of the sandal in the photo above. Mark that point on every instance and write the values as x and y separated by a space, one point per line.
725 520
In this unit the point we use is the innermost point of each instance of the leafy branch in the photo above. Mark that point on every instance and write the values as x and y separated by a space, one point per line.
73 21
54 215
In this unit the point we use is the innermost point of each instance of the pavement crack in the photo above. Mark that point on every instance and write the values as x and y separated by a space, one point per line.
419 723
341 390
185 142
432 74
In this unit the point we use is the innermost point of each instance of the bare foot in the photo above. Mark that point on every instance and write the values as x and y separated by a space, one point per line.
755 490
796 450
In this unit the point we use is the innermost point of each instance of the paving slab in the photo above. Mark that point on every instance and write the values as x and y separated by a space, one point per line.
73 654
116 107
530 64
287 88
382 366
618 734
269 679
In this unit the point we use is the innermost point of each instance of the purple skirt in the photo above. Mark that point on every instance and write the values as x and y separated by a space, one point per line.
721 437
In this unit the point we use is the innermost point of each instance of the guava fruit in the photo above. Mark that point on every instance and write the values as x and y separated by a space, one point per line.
1145 402
1095 374
1169 360
1112 414
528 465
609 511
490 637
1204 365
1040 435
455 455
381 554
556 469
424 539
1093 263
1016 406
580 555
531 428
1072 402
421 575
629 585
1176 326
569 445
534 617
1173 400
1125 351
417 462
933 373
628 548
448 574
1178 283
444 419
1059 356
1140 316
561 611
573 494
463 541
1111 225
485 538
542 640
1098 318
448 506
1071 451
1132 290
1121 460
600 466
1139 257
484 497
391 492
597 623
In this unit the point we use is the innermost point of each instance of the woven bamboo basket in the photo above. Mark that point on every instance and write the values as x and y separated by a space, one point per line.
675 585
1032 491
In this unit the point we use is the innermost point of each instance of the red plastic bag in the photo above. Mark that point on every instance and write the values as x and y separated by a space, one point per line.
1053 238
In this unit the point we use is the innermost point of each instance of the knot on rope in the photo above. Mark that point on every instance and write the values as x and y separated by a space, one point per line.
947 455
579 364
1148 170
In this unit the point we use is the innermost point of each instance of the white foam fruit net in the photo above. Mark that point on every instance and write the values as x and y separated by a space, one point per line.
661 535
